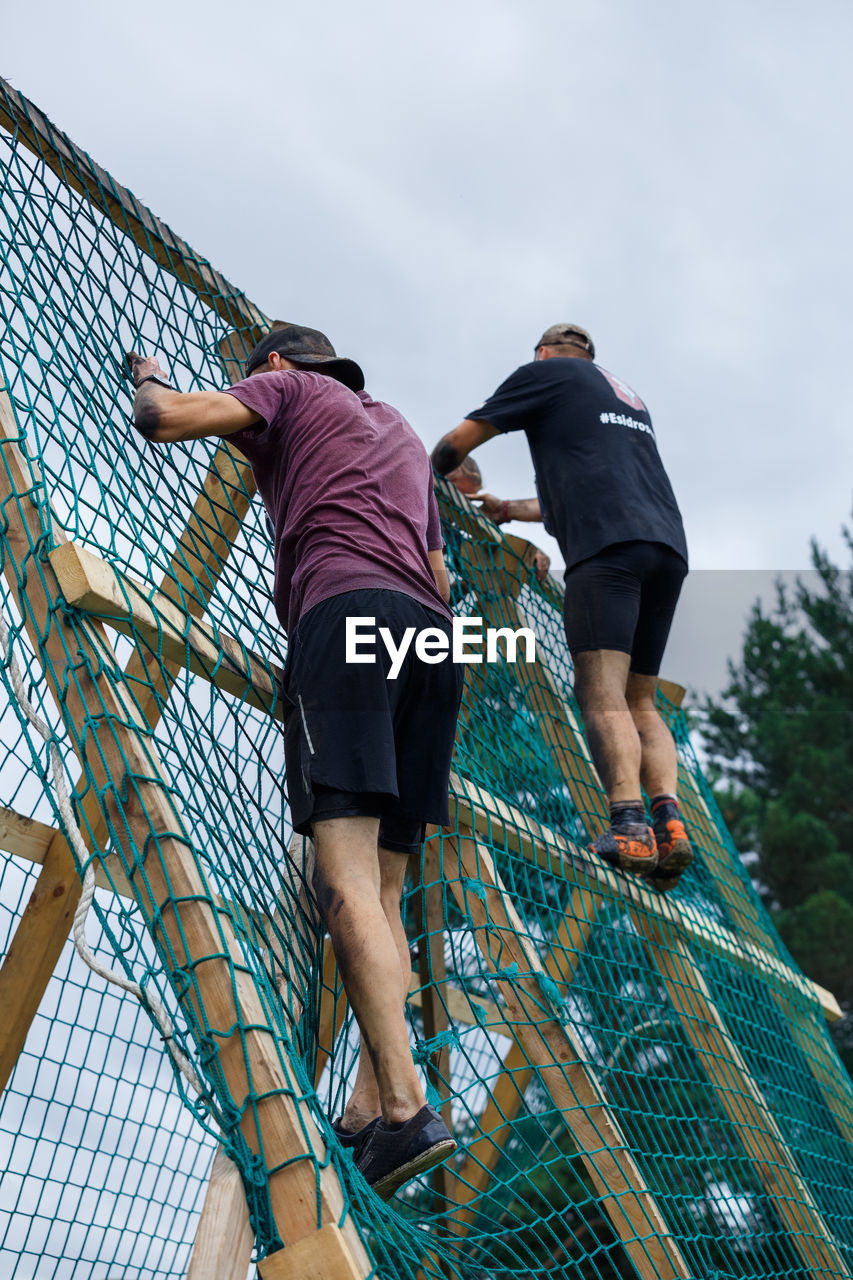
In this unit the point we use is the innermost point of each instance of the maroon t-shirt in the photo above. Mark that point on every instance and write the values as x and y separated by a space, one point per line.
347 484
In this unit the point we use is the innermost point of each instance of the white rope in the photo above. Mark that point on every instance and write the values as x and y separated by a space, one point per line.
150 1000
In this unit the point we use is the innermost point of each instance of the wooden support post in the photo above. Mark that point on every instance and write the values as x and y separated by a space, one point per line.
553 1049
569 943
832 1078
149 617
76 170
325 1256
495 1124
191 934
741 1098
506 1098
197 563
224 1238
432 970
37 942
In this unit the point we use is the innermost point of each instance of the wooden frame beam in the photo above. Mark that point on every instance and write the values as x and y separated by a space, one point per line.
149 617
156 622
76 170
191 578
553 1049
504 561
742 1100
189 931
492 817
224 1237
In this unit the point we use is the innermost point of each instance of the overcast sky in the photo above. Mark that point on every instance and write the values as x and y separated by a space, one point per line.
433 186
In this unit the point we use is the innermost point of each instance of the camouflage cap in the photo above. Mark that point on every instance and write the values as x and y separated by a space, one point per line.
567 335
310 349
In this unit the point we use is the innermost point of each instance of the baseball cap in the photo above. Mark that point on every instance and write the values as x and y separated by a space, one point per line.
310 349
573 334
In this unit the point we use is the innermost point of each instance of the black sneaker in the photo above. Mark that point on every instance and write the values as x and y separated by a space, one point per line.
391 1157
354 1138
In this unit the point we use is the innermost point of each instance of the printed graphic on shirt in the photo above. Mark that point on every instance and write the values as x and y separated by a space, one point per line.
623 420
623 391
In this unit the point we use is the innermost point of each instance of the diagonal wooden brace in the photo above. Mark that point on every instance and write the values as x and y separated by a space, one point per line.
552 1048
192 934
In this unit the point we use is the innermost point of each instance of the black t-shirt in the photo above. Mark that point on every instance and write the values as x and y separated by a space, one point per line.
599 476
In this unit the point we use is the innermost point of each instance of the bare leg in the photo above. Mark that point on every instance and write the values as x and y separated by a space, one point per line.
364 1103
659 764
347 882
601 679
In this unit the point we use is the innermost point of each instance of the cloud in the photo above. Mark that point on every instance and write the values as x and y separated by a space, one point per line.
434 187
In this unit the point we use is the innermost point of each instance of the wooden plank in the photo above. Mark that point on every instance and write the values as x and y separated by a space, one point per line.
29 840
674 692
150 618
79 172
191 578
26 837
742 1100
224 1237
461 1006
495 1124
432 970
553 1049
499 821
569 942
190 933
36 945
832 1078
327 1256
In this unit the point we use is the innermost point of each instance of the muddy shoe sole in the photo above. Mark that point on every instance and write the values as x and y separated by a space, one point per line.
391 1156
428 1159
671 867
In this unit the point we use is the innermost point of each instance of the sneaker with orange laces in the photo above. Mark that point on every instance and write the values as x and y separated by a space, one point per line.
674 852
629 842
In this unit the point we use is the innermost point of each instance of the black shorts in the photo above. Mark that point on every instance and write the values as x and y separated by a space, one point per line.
356 742
624 598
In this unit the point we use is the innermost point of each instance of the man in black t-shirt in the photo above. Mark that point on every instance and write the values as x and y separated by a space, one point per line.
603 493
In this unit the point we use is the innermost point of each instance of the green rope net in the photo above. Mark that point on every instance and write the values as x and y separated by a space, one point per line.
640 1085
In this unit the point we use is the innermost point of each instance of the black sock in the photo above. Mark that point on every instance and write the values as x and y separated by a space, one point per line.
626 813
664 807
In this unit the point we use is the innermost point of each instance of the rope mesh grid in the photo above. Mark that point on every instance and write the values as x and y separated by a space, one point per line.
106 1153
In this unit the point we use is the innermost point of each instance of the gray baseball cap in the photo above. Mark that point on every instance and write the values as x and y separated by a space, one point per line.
567 334
310 349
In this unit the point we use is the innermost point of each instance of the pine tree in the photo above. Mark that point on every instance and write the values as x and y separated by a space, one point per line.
780 743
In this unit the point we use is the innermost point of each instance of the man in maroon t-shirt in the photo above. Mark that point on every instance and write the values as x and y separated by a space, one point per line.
369 726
